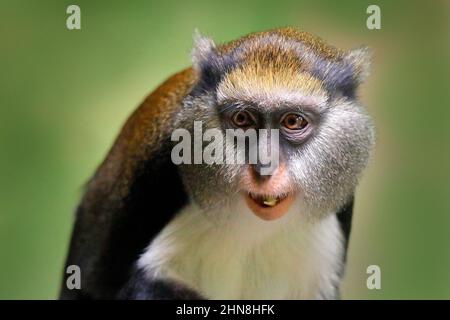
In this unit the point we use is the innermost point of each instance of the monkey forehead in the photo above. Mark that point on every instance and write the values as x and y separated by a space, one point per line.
271 87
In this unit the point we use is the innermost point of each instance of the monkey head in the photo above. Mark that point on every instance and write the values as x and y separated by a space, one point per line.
292 82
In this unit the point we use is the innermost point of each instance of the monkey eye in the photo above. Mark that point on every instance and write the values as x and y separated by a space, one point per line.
293 121
242 119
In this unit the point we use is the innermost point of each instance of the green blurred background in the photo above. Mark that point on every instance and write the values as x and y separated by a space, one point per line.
65 94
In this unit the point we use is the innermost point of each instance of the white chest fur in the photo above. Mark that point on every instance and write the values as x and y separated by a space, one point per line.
232 254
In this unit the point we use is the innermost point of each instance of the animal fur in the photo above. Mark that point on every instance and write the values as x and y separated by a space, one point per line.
149 229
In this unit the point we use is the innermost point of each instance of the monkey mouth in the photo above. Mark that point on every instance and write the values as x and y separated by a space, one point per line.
269 207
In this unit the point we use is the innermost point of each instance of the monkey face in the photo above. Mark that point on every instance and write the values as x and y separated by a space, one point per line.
322 149
298 86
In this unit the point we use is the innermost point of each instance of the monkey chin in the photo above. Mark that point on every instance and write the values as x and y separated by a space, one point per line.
269 208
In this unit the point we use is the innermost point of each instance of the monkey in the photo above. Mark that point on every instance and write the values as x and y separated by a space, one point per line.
147 228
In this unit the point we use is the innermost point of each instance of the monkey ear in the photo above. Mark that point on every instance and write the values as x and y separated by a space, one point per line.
204 48
360 60
347 74
209 63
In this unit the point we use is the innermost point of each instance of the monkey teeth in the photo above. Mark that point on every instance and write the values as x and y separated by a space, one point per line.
266 201
270 201
268 206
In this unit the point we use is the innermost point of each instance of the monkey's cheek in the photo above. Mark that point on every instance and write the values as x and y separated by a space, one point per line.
270 213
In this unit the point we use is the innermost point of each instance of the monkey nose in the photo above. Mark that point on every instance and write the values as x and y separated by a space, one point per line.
263 171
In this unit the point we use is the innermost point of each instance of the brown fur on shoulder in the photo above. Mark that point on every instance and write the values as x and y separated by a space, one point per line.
149 125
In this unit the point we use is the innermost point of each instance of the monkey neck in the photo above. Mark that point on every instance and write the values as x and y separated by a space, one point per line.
241 255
